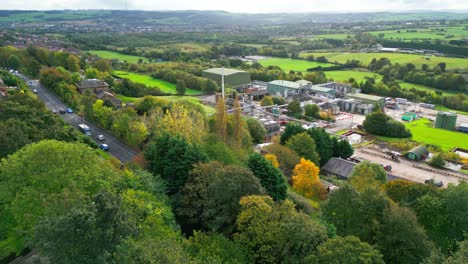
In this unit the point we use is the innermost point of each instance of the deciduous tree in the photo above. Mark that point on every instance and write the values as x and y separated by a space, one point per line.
305 146
306 180
270 177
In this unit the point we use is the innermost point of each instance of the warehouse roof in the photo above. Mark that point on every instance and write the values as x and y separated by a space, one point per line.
227 71
420 151
365 96
292 85
322 89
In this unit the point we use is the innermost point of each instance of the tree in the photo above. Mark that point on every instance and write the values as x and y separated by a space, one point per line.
181 87
238 123
221 120
379 123
341 148
312 110
437 161
304 145
400 238
405 193
13 62
276 232
173 158
257 130
91 73
88 233
306 180
272 158
210 198
73 63
46 179
324 144
266 101
291 130
460 256
287 158
367 175
349 249
294 108
215 248
270 177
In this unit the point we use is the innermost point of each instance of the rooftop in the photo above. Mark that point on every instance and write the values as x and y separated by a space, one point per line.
365 96
447 113
292 85
92 83
340 167
322 89
227 71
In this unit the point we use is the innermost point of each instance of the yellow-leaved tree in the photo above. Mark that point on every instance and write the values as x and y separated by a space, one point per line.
221 119
272 158
306 179
179 120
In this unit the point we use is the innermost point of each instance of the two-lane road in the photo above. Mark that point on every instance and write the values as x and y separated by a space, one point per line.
119 150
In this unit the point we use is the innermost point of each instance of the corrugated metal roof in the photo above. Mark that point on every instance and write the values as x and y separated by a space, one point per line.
365 96
292 85
227 71
340 167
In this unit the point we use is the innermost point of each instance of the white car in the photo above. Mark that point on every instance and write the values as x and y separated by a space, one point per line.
101 137
35 90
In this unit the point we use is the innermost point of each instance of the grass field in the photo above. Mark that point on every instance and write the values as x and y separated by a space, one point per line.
424 132
149 81
292 64
417 60
429 33
208 109
111 55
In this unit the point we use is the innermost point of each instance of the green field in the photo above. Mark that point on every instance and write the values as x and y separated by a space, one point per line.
111 55
417 60
208 109
292 64
449 33
424 132
149 81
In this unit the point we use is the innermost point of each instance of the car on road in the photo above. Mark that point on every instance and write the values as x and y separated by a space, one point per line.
69 110
104 147
436 183
54 111
101 137
62 111
35 90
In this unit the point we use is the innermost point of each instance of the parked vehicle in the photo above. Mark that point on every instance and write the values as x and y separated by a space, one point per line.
35 91
85 129
69 110
62 111
101 137
104 147
436 183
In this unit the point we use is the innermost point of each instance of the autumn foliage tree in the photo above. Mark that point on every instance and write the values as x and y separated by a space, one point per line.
272 158
306 179
221 119
238 125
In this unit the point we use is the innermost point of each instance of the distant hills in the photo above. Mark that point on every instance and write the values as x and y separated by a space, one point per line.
159 18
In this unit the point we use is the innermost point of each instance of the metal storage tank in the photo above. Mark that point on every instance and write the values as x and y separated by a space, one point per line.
446 120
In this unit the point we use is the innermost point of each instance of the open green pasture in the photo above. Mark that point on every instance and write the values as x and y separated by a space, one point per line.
112 55
448 33
149 81
424 132
208 109
417 60
292 64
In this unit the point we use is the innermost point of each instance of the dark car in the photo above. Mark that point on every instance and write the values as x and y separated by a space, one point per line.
62 111
104 147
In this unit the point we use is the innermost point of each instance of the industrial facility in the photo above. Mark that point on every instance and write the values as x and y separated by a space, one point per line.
446 120
232 77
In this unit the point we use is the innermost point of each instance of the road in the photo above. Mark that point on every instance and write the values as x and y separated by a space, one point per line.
118 149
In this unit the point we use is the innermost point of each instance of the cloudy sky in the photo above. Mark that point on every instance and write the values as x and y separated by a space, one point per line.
249 6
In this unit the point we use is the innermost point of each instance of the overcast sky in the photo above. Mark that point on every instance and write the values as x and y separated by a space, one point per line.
248 6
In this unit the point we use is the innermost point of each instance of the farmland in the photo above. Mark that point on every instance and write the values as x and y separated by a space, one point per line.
430 33
423 132
111 55
292 64
417 60
149 81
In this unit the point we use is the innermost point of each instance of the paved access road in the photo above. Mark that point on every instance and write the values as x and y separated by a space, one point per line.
119 150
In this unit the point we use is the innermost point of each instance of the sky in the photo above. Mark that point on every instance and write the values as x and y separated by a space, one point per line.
243 6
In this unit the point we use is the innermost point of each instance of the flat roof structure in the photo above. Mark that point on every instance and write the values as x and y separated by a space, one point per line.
288 84
365 96
227 71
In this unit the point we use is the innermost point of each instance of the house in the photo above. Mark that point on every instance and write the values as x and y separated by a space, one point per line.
110 98
339 168
93 85
417 153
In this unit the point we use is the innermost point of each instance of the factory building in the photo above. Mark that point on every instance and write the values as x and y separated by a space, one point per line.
341 88
367 99
446 120
285 88
232 77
